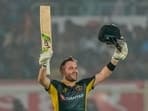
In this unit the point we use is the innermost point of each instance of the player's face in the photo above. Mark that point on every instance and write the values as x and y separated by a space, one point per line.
71 71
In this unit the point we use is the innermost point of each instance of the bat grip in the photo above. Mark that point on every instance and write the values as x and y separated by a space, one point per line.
48 68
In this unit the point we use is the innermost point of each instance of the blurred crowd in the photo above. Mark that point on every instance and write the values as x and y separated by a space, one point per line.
20 44
81 41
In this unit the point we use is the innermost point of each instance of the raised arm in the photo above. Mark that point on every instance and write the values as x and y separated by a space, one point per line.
117 56
44 71
43 77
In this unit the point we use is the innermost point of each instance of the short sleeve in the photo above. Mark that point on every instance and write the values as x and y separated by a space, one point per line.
53 84
88 83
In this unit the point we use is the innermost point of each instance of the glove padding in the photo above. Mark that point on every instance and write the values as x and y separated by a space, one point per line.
121 55
45 57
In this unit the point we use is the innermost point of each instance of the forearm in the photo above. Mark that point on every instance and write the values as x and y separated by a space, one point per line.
106 71
42 77
42 73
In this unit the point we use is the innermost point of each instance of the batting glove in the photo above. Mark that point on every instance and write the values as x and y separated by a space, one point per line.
45 57
121 55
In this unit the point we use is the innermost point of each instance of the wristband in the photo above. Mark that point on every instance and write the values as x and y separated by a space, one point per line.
110 66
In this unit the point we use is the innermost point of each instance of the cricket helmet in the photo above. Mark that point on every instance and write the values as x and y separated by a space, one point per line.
109 34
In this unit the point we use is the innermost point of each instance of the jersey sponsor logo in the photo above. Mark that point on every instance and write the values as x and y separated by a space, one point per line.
71 97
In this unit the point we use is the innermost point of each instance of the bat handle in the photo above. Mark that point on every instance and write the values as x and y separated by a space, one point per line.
48 68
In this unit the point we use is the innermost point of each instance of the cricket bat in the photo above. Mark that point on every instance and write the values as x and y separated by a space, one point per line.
45 28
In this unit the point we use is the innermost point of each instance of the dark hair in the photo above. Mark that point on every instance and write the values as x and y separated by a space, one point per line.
65 61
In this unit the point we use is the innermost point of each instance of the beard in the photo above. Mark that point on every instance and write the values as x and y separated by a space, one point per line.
72 77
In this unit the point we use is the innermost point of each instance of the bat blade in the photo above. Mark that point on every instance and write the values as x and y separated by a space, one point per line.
45 28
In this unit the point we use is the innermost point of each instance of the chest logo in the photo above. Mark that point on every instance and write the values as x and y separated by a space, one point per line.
79 88
64 90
